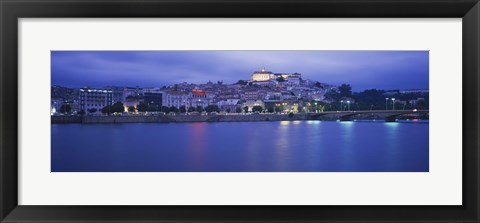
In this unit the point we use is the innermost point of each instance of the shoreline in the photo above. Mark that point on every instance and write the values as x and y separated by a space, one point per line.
190 118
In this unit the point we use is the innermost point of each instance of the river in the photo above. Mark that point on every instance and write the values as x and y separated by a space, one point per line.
286 146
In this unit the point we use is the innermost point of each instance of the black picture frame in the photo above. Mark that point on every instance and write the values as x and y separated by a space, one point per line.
12 10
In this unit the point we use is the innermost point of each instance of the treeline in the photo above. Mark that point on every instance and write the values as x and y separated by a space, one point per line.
144 107
374 99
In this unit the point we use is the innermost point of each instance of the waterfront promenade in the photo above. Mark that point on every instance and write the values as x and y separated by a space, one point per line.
389 115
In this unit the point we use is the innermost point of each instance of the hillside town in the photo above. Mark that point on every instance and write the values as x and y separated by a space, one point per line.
264 92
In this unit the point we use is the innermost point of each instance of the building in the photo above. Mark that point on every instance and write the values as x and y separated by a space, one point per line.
92 98
153 100
199 97
228 105
117 93
250 95
265 77
55 105
251 103
262 75
130 92
176 99
294 79
269 83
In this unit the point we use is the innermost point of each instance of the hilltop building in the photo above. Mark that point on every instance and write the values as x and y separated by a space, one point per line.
264 77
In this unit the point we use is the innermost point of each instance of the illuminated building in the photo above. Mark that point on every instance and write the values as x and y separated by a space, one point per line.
198 98
55 105
263 75
251 103
91 98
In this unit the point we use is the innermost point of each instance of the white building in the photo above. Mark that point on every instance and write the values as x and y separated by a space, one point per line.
92 98
294 79
263 75
176 99
228 105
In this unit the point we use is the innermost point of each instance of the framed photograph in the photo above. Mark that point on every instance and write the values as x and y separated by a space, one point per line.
266 111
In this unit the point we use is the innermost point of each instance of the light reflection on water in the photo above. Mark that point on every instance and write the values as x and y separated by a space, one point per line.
286 146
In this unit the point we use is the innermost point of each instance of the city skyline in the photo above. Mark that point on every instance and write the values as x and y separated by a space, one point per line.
361 69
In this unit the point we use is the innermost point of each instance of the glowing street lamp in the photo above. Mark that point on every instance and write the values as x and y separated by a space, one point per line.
386 102
316 110
341 105
348 103
393 101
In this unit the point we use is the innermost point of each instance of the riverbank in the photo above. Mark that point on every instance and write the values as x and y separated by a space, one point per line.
176 118
327 116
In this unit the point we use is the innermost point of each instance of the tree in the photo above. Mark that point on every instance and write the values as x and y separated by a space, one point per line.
212 108
345 90
333 94
199 109
280 79
270 109
183 109
316 106
81 112
65 108
165 109
131 109
279 108
371 99
290 115
142 107
318 85
92 110
257 108
245 109
153 107
320 107
106 109
174 109
117 107
191 109
242 82
238 110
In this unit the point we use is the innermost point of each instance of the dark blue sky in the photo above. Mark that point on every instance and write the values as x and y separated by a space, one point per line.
361 69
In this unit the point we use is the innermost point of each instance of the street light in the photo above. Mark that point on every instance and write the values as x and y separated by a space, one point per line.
348 103
341 105
386 102
316 111
393 101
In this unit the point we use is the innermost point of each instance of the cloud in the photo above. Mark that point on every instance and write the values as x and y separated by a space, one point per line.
361 69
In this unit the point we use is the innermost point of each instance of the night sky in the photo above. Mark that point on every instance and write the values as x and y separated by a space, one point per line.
361 69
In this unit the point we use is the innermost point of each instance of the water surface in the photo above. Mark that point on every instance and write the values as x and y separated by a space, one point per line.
288 146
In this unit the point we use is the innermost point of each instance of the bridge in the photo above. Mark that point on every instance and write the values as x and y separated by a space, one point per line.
387 115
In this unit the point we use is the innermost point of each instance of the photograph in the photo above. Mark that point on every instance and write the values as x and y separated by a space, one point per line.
239 111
